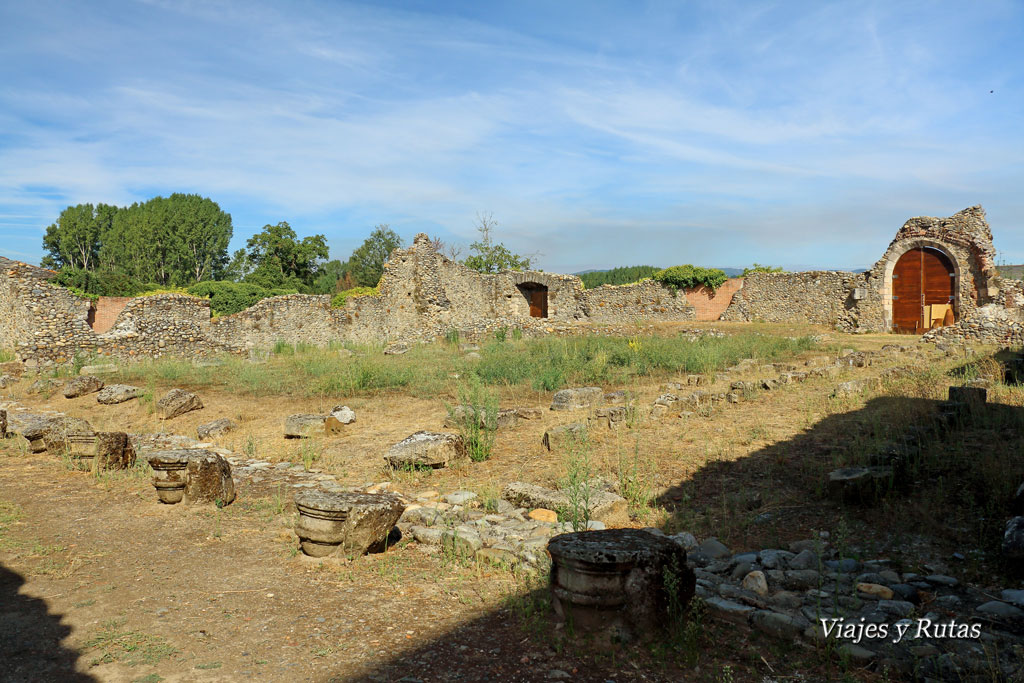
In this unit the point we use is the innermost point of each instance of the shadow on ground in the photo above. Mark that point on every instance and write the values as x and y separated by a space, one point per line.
953 488
30 638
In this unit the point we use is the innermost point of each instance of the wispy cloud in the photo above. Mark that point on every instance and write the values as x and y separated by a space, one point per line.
707 132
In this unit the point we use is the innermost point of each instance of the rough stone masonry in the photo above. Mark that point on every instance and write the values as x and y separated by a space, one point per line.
423 295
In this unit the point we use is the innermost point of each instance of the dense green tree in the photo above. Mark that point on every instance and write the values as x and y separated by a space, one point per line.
169 242
275 257
489 257
202 232
74 240
366 264
327 277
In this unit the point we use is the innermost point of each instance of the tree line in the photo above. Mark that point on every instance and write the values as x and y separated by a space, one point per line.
181 243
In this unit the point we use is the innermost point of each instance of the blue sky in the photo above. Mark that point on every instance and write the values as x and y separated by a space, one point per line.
597 133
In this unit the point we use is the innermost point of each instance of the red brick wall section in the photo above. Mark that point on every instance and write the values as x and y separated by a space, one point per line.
710 305
106 312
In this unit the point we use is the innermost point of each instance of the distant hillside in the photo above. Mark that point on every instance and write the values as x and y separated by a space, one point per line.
1011 272
616 276
627 274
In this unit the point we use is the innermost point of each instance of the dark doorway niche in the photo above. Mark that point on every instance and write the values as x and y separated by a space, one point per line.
536 296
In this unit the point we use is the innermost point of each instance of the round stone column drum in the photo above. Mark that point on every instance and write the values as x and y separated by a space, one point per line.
353 522
623 582
169 475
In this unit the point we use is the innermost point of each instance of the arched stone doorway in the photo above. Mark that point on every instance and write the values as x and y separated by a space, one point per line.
923 282
536 296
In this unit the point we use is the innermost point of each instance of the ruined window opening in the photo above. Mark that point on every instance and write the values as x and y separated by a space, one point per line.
536 296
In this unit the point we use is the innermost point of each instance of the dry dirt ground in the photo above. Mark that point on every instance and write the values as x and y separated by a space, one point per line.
98 581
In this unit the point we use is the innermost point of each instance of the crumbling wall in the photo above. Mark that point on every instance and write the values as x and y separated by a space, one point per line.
291 318
820 297
17 280
646 300
965 238
710 304
863 301
423 295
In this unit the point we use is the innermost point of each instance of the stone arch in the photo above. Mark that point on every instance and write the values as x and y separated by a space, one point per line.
902 247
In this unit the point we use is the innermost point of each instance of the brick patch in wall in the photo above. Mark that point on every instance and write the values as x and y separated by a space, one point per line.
104 313
710 305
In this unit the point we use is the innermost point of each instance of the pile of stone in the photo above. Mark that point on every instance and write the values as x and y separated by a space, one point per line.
511 531
82 385
506 418
948 627
305 425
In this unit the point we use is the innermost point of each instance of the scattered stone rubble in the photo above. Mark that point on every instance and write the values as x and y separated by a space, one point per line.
82 385
117 393
426 449
786 593
177 402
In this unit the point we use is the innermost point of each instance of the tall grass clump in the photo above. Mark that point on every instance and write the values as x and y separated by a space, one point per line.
578 483
6 355
477 418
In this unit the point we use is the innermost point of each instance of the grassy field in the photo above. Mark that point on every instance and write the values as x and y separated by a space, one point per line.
545 364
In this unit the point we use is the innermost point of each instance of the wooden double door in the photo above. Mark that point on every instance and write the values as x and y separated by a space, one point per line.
922 278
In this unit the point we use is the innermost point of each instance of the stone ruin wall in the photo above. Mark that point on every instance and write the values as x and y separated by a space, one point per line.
820 297
862 302
424 295
646 300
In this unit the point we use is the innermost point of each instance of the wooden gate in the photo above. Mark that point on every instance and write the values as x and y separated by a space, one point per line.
537 297
923 284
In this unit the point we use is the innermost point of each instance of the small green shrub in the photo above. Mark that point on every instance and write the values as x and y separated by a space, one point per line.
688 277
93 284
758 268
339 299
227 298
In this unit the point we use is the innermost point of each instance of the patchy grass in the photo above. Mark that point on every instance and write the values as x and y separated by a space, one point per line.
114 643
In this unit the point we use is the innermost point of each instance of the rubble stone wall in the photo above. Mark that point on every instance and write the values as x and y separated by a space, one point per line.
863 301
821 297
645 300
424 295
